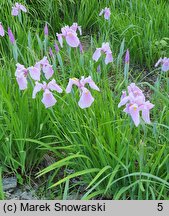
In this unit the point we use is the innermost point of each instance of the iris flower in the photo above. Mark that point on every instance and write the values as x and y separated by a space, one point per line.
43 65
2 32
164 64
48 99
86 98
34 72
104 49
106 13
70 35
21 76
135 102
17 8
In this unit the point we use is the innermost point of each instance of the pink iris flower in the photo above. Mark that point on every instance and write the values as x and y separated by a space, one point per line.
34 72
48 99
106 13
135 102
43 65
86 98
164 64
2 32
105 49
17 8
21 76
70 35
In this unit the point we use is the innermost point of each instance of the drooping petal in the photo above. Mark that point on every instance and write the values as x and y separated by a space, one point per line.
146 115
2 32
134 112
22 82
91 83
23 8
86 99
34 73
60 39
72 81
72 39
123 101
48 71
96 54
145 108
38 87
109 58
52 85
48 99
126 110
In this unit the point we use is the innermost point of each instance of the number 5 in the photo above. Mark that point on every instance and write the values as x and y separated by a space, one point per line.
160 207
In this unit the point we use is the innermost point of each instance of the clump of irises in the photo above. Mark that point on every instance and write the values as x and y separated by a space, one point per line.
44 68
135 103
133 99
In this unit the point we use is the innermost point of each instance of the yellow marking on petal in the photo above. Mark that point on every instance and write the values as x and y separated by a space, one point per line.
74 79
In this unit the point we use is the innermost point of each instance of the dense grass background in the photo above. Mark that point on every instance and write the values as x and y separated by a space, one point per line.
99 148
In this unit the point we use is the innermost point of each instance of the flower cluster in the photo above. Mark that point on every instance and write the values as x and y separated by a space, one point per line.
22 73
106 50
48 99
135 102
164 62
70 35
